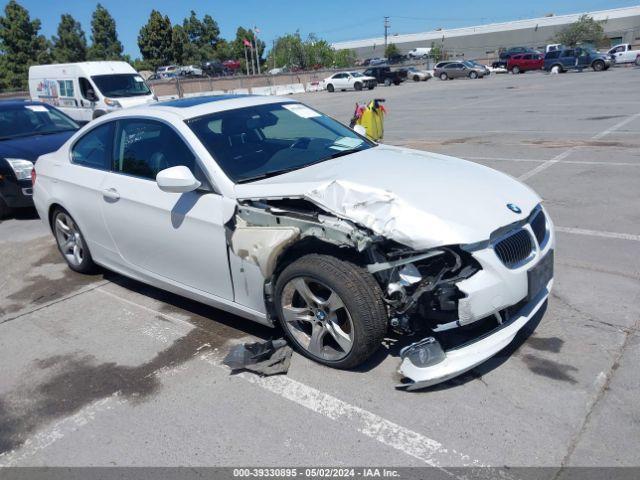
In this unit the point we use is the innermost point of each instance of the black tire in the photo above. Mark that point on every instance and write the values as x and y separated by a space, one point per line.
416 78
473 75
396 82
357 86
637 62
444 76
87 265
371 87
330 88
5 210
362 298
598 66
515 70
387 82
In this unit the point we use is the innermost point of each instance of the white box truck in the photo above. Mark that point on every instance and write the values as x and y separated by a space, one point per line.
87 90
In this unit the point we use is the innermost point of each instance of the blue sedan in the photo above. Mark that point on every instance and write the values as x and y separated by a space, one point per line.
27 130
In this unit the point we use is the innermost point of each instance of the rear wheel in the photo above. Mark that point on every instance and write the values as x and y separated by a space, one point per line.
330 88
331 310
515 70
71 242
416 78
598 66
637 62
473 75
444 76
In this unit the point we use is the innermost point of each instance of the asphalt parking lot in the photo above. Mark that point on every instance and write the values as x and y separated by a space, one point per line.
101 370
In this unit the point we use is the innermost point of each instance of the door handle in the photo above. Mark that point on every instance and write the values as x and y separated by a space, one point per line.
111 194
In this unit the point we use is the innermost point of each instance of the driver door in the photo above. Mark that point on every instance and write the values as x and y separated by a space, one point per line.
179 238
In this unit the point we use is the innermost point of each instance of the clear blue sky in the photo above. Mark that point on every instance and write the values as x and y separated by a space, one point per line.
333 20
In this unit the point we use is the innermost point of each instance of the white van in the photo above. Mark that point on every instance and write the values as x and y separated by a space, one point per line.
420 52
87 90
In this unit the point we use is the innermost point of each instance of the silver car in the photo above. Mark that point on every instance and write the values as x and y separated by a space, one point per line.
452 70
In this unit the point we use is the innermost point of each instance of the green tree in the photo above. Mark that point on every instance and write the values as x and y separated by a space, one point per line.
237 46
20 46
391 51
70 45
155 38
584 30
203 37
179 45
318 52
104 37
344 58
288 51
436 52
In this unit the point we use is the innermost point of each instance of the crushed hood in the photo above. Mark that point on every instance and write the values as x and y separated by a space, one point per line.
416 198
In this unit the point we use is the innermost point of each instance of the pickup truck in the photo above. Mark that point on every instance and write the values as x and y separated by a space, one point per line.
386 75
576 58
623 53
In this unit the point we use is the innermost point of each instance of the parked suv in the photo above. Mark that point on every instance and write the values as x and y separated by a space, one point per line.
524 62
458 70
385 75
576 58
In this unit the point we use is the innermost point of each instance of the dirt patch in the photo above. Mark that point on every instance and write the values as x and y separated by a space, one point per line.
550 344
578 143
549 368
427 144
78 380
604 117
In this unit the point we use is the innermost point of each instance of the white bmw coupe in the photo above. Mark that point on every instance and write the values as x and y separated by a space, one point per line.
266 208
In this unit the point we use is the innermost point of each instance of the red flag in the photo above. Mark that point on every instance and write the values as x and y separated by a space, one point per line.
246 42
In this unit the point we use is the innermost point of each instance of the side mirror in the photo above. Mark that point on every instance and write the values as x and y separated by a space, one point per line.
177 180
360 130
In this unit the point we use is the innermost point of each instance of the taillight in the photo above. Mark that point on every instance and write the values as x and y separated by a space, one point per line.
33 175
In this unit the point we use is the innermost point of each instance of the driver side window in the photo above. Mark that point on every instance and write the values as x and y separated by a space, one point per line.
142 148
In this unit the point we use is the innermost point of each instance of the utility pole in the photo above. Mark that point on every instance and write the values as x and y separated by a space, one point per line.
386 32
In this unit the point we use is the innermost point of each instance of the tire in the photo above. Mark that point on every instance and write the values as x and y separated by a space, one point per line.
71 242
98 113
396 82
387 82
5 210
598 66
357 86
444 76
473 75
416 78
330 88
359 310
515 70
371 87
637 62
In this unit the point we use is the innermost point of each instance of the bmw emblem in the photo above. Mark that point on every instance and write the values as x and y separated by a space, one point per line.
514 208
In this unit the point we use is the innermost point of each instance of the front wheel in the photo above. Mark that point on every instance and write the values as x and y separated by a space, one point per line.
331 310
416 78
444 76
515 70
598 66
637 62
357 86
330 88
473 75
387 82
71 242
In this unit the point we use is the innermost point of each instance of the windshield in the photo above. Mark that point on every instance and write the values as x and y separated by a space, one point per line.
27 120
121 85
266 140
356 74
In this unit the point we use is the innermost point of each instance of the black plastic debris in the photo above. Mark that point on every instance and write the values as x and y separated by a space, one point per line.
264 358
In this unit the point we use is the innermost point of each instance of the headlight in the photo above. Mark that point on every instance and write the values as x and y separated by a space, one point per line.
22 168
112 103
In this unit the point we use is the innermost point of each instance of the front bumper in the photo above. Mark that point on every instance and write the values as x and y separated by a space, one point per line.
493 292
17 193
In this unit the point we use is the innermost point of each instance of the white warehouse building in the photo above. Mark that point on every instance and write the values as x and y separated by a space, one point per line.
621 25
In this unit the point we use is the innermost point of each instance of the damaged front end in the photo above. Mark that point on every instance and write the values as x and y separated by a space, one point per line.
463 302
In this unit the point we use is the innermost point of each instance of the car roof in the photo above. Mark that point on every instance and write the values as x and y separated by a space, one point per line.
193 107
17 102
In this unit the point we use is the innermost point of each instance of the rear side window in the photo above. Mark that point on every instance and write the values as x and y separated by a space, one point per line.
554 54
569 53
93 149
143 148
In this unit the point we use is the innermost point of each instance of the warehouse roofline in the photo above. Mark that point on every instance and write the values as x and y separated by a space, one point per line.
491 28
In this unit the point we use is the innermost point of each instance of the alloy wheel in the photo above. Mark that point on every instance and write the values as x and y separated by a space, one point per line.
69 239
317 318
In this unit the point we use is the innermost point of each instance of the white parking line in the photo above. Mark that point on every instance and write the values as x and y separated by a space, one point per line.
598 233
539 160
568 152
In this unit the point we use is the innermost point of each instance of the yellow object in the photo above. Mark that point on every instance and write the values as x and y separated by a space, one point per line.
372 119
